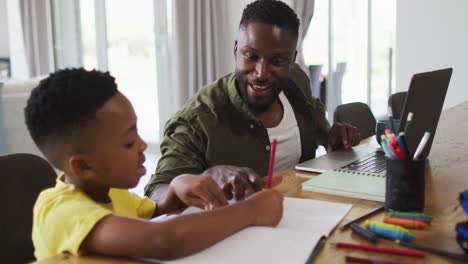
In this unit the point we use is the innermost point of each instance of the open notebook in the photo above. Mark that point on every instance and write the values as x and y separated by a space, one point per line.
304 222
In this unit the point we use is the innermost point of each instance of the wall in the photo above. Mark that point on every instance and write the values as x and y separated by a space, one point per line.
432 34
4 40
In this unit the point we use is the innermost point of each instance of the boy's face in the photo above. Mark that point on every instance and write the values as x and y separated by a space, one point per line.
116 156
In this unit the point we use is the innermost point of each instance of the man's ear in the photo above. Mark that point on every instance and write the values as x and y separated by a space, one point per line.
294 58
80 166
235 49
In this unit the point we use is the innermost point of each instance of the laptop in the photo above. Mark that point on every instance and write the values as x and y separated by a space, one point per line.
360 172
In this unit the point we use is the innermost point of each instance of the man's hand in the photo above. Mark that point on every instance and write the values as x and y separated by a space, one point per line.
238 182
342 135
198 190
267 206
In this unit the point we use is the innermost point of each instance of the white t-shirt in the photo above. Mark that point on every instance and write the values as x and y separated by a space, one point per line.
286 133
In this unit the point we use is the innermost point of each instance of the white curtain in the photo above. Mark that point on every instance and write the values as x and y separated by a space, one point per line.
199 52
304 10
37 36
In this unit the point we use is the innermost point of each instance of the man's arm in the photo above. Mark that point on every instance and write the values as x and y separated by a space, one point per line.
182 236
182 150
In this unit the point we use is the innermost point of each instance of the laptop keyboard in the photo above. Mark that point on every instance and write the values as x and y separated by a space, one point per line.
371 163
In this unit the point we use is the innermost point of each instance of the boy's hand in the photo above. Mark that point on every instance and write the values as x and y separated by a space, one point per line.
266 207
198 190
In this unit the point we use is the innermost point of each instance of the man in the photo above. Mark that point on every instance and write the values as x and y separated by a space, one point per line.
233 120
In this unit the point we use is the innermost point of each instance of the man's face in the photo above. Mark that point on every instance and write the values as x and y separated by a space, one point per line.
263 55
117 157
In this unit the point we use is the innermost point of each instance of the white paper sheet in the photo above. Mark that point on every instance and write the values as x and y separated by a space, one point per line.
304 222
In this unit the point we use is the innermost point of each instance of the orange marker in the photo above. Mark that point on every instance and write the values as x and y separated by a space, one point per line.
408 223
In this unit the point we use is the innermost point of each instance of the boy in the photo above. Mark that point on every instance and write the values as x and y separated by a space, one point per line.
84 126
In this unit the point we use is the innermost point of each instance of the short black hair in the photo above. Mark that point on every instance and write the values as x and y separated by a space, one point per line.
63 103
271 12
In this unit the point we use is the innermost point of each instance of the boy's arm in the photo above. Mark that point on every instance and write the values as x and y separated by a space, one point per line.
182 236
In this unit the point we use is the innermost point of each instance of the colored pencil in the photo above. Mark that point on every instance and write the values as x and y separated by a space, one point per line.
436 251
365 260
394 251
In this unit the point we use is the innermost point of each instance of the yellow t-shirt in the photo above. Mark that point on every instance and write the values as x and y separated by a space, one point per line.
63 216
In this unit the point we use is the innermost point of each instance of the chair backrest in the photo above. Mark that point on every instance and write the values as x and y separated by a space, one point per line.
314 74
24 176
357 114
396 102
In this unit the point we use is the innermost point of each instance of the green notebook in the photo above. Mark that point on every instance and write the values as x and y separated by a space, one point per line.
348 183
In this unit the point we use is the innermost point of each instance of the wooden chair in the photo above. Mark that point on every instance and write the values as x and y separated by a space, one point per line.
357 114
24 176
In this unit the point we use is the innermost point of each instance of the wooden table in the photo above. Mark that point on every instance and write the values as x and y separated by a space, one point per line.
446 177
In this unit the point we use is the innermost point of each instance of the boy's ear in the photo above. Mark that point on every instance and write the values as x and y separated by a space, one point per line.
80 166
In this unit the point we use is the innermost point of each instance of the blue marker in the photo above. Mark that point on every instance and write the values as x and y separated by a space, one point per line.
402 142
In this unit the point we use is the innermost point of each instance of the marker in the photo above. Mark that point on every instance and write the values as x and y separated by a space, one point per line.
398 151
364 233
420 219
402 142
316 251
362 217
383 144
408 223
272 164
389 233
421 145
410 214
396 228
395 251
408 121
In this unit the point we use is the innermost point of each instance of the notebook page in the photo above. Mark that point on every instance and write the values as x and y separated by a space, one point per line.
304 222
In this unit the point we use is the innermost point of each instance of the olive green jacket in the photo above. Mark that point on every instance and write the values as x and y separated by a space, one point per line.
215 127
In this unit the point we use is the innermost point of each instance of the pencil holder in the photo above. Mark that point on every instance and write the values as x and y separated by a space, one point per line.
405 185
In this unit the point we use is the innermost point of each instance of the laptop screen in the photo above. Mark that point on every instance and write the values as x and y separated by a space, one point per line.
425 99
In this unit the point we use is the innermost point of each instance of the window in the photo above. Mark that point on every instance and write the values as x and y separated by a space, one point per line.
357 38
118 36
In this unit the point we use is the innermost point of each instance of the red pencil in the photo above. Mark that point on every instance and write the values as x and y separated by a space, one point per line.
395 251
272 164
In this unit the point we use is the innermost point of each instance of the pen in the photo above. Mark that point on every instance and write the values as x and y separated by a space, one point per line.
369 261
433 250
395 251
421 145
364 233
272 164
375 211
408 121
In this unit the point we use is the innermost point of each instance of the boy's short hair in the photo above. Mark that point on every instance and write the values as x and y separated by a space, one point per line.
271 12
61 105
